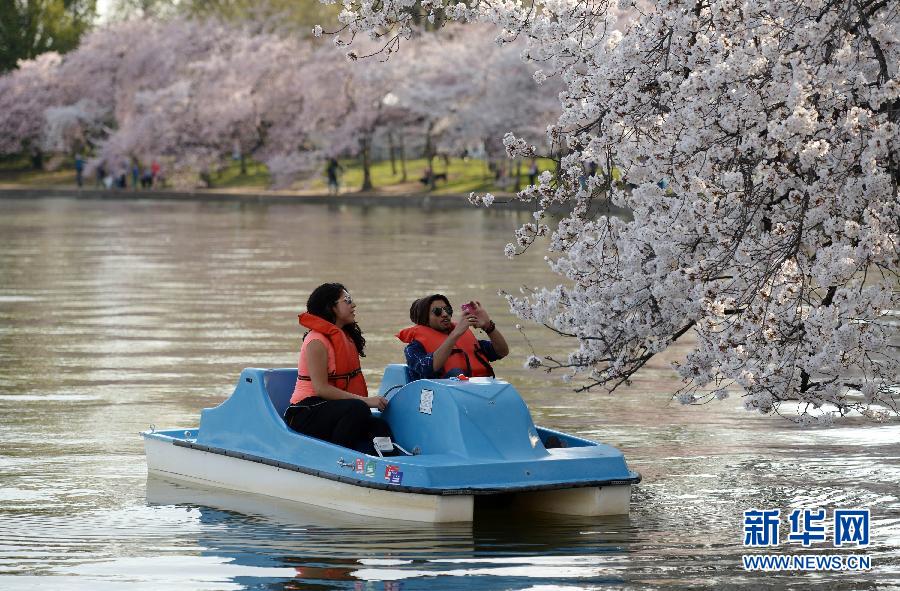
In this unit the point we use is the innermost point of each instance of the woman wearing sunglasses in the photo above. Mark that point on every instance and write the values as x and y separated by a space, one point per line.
331 400
438 348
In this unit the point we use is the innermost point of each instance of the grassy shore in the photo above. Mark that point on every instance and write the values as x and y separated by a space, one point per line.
462 176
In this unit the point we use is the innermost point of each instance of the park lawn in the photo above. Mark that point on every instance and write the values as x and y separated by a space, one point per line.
383 175
463 176
230 177
40 178
18 170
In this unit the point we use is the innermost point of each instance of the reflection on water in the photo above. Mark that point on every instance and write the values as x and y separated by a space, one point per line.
117 315
326 546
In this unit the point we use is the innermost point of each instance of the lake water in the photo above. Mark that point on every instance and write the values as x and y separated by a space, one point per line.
116 315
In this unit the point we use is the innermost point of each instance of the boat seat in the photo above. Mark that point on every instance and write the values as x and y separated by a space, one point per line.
395 376
279 384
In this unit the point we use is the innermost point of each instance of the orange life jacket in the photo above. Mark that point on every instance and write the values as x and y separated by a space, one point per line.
466 354
347 373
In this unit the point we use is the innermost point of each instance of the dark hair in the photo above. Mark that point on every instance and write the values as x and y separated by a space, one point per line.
321 303
420 309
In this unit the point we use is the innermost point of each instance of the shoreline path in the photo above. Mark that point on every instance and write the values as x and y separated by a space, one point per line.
444 201
504 201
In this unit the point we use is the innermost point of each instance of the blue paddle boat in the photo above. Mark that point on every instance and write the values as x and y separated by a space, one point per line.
457 442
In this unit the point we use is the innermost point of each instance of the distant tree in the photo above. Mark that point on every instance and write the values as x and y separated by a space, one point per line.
29 28
24 96
504 95
190 92
194 93
434 81
371 107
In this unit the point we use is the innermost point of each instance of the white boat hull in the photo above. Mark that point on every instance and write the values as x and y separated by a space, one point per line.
210 469
221 471
586 501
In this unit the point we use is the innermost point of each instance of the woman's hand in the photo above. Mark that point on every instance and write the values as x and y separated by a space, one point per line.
465 322
485 323
377 402
482 319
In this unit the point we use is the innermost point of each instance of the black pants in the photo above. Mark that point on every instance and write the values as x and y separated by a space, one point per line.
348 423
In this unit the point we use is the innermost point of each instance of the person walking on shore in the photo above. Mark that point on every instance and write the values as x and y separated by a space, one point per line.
332 171
79 170
154 174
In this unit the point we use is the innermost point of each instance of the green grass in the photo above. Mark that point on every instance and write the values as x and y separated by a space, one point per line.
18 170
463 176
230 177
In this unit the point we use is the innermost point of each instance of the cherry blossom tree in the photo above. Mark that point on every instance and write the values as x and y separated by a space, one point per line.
506 97
761 157
435 83
184 94
363 88
92 88
203 106
193 94
455 86
23 100
90 93
187 93
303 106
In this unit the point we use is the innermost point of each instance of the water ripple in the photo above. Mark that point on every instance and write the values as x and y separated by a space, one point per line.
116 315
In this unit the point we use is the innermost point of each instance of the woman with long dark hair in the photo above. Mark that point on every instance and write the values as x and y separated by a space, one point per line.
331 400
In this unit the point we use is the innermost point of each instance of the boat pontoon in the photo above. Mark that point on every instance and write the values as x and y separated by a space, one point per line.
457 441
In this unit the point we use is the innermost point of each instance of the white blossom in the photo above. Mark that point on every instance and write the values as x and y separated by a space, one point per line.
757 151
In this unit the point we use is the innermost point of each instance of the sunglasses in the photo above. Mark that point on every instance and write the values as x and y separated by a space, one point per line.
438 310
347 299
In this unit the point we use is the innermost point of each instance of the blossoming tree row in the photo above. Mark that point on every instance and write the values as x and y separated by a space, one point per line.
193 93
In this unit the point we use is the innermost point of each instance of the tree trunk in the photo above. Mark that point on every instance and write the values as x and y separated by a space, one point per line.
518 185
429 156
402 160
431 172
429 151
391 152
243 164
364 144
37 159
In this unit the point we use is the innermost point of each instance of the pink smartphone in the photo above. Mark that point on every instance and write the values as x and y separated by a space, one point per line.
468 308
